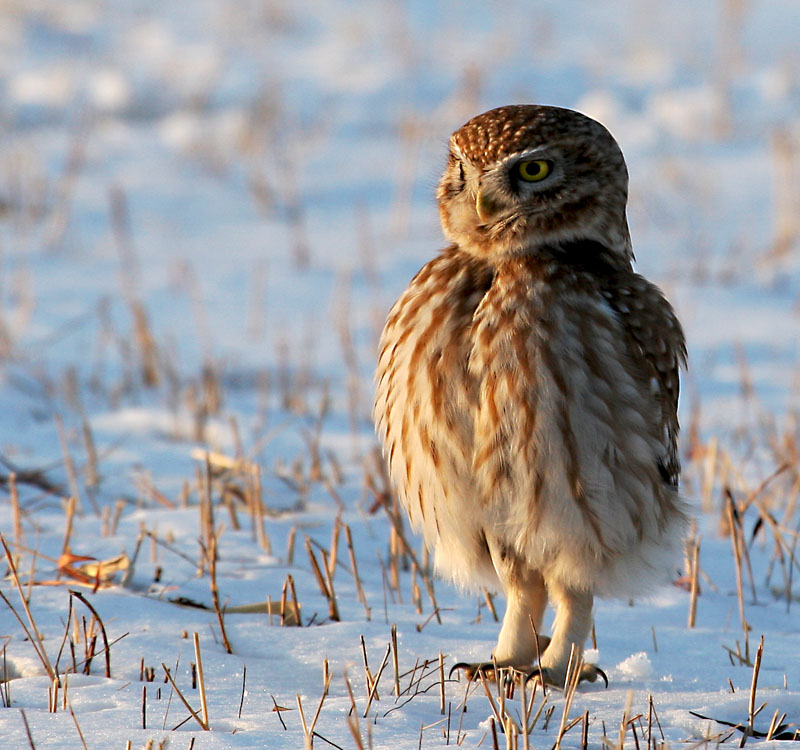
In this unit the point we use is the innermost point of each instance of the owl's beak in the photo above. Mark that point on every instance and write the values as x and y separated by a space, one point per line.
485 207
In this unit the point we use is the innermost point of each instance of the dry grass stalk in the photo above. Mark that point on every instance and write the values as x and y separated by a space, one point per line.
571 680
80 734
69 512
416 594
354 568
258 501
289 611
775 724
623 726
367 674
308 740
27 729
499 713
695 588
202 721
96 618
34 638
16 516
373 693
489 599
284 589
395 662
331 566
290 540
212 564
333 607
736 542
201 680
751 703
709 472
653 716
323 581
352 716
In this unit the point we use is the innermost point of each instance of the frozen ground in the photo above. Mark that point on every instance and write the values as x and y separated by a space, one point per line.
206 209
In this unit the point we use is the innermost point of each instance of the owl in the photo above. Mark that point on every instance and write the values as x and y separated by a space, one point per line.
527 386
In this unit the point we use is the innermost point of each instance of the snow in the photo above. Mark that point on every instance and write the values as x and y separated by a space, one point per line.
258 179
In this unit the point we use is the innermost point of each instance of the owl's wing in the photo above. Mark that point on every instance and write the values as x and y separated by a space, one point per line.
656 337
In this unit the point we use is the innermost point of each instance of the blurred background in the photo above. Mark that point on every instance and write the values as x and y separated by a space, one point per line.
198 198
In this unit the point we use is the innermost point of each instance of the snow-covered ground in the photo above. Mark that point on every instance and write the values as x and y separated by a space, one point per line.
206 209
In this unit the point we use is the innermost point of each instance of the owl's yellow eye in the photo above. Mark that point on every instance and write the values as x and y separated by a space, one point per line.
533 171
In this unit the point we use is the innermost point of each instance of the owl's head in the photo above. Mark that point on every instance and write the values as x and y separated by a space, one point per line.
524 177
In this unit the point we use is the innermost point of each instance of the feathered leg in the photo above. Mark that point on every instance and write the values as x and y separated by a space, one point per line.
572 626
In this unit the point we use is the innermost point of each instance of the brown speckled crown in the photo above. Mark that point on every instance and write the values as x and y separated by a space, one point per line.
506 130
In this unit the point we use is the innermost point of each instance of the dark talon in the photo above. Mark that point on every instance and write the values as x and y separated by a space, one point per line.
460 665
537 671
590 673
471 669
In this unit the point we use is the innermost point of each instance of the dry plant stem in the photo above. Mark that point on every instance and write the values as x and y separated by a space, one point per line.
295 603
283 599
359 588
70 515
736 541
333 607
497 713
523 704
570 686
107 650
244 688
373 693
352 716
367 674
290 545
15 513
751 704
487 595
34 638
27 729
66 634
212 564
395 662
324 582
201 680
180 695
258 499
324 695
695 585
331 566
80 734
308 742
441 683
623 726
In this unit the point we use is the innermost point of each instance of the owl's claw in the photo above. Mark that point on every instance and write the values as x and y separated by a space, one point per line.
589 673
488 669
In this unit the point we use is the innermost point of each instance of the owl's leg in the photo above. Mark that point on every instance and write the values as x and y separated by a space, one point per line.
571 628
526 600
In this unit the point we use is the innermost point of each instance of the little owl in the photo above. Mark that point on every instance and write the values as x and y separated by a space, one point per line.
527 385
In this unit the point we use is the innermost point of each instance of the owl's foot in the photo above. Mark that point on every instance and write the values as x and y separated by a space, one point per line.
489 670
556 679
